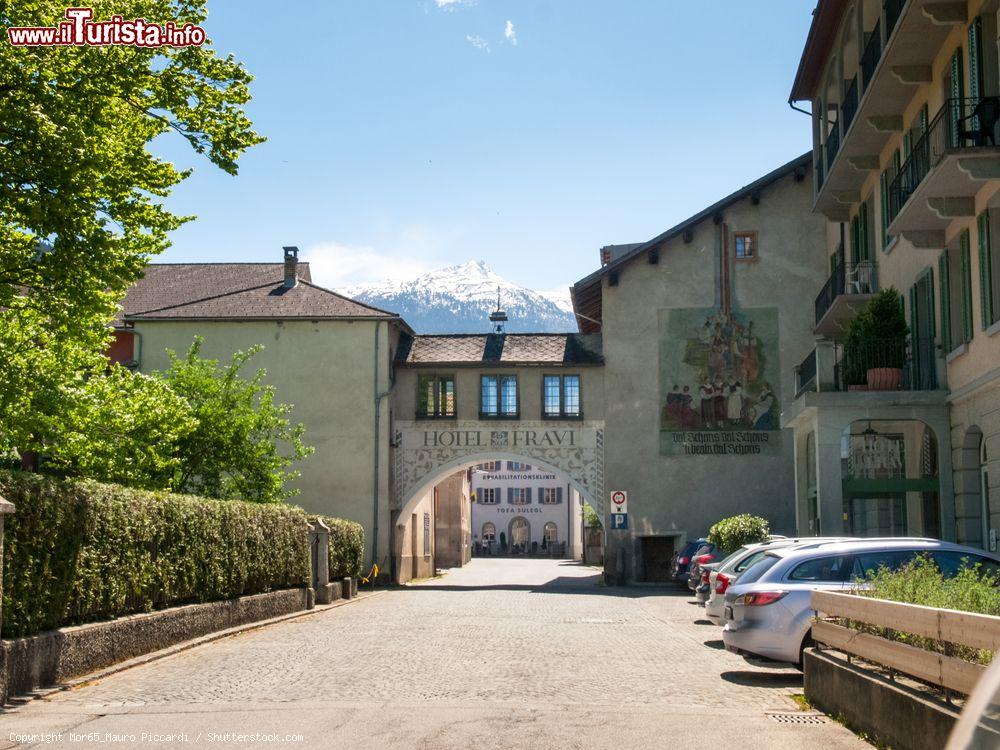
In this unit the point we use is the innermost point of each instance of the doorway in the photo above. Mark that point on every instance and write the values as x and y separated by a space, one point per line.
657 555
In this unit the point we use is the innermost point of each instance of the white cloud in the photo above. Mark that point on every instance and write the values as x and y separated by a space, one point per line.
335 265
453 5
509 34
478 42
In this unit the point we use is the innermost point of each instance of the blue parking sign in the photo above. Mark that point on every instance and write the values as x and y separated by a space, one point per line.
619 520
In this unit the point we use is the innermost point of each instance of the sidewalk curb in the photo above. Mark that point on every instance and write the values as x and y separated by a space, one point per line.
17 701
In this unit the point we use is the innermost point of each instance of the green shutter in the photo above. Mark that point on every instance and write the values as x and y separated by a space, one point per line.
945 295
975 59
883 187
986 301
957 94
923 120
965 266
907 145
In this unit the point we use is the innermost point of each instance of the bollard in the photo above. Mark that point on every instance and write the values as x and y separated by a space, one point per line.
319 543
347 588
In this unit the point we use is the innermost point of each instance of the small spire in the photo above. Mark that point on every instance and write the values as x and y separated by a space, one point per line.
498 317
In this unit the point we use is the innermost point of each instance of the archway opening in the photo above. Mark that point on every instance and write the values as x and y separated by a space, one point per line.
500 507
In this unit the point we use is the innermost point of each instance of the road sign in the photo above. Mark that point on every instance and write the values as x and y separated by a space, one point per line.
619 520
619 501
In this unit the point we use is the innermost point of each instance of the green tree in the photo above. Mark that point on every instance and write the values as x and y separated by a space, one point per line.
235 451
731 533
81 192
121 427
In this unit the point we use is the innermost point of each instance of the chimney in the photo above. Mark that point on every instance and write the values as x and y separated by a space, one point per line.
291 267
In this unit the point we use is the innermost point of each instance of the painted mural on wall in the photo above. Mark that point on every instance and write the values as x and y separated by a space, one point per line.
719 376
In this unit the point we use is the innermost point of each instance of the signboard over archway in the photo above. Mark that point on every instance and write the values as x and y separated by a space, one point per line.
425 450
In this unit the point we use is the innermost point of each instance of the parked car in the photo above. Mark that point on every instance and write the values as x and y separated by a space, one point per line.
707 553
682 559
729 570
768 612
703 588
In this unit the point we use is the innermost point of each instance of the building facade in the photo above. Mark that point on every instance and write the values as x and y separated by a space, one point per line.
523 509
905 109
701 328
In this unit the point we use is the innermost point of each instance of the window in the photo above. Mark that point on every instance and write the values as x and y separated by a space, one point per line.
747 561
821 569
519 495
949 563
435 396
868 563
518 466
550 532
756 571
488 495
746 245
561 397
489 467
550 495
489 533
498 396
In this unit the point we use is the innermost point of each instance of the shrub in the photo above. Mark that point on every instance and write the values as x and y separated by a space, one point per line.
81 551
921 582
347 547
730 534
876 338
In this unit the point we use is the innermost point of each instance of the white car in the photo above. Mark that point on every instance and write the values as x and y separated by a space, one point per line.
729 570
768 612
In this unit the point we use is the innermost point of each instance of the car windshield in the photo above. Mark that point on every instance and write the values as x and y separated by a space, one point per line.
759 568
751 559
733 559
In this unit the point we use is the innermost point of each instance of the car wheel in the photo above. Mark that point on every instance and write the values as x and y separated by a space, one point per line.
806 643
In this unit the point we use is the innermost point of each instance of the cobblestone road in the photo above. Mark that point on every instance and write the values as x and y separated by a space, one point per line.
505 653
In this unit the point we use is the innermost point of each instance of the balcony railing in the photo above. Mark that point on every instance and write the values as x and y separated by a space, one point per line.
898 365
820 172
832 144
861 278
871 56
952 129
850 105
805 375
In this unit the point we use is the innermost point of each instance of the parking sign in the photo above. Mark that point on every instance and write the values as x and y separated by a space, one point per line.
619 521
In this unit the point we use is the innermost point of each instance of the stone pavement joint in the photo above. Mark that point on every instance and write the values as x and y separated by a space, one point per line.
507 652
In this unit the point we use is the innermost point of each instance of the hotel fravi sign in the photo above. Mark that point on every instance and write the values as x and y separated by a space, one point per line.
422 450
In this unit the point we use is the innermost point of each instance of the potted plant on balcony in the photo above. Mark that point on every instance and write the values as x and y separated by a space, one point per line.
875 351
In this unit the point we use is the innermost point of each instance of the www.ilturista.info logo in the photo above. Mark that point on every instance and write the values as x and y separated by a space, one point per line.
80 31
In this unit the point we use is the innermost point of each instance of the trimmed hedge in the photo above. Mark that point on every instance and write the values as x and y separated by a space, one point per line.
79 552
731 533
347 547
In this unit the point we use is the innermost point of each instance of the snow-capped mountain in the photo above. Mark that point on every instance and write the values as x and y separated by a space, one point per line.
459 299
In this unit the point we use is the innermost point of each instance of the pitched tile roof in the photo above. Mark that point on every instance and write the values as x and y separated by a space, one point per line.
508 349
178 291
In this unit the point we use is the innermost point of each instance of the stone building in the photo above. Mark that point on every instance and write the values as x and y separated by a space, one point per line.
905 109
701 328
522 508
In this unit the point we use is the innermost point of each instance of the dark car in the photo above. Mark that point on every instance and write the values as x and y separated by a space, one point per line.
705 554
682 559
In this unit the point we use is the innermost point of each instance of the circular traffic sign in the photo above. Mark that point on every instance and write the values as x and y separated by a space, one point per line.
618 497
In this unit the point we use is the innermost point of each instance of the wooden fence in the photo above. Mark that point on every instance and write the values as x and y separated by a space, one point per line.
947 626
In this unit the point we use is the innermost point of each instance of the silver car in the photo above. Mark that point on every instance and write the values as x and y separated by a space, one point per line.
729 570
768 612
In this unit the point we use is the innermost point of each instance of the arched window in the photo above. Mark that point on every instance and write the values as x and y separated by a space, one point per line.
489 532
550 532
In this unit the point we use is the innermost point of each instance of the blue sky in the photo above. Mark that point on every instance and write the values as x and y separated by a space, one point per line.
405 135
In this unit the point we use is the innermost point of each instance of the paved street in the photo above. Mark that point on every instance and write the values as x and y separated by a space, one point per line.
500 654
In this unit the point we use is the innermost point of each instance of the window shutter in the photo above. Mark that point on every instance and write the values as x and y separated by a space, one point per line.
965 265
559 494
975 60
883 188
907 145
945 295
986 300
510 495
527 495
497 495
957 93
